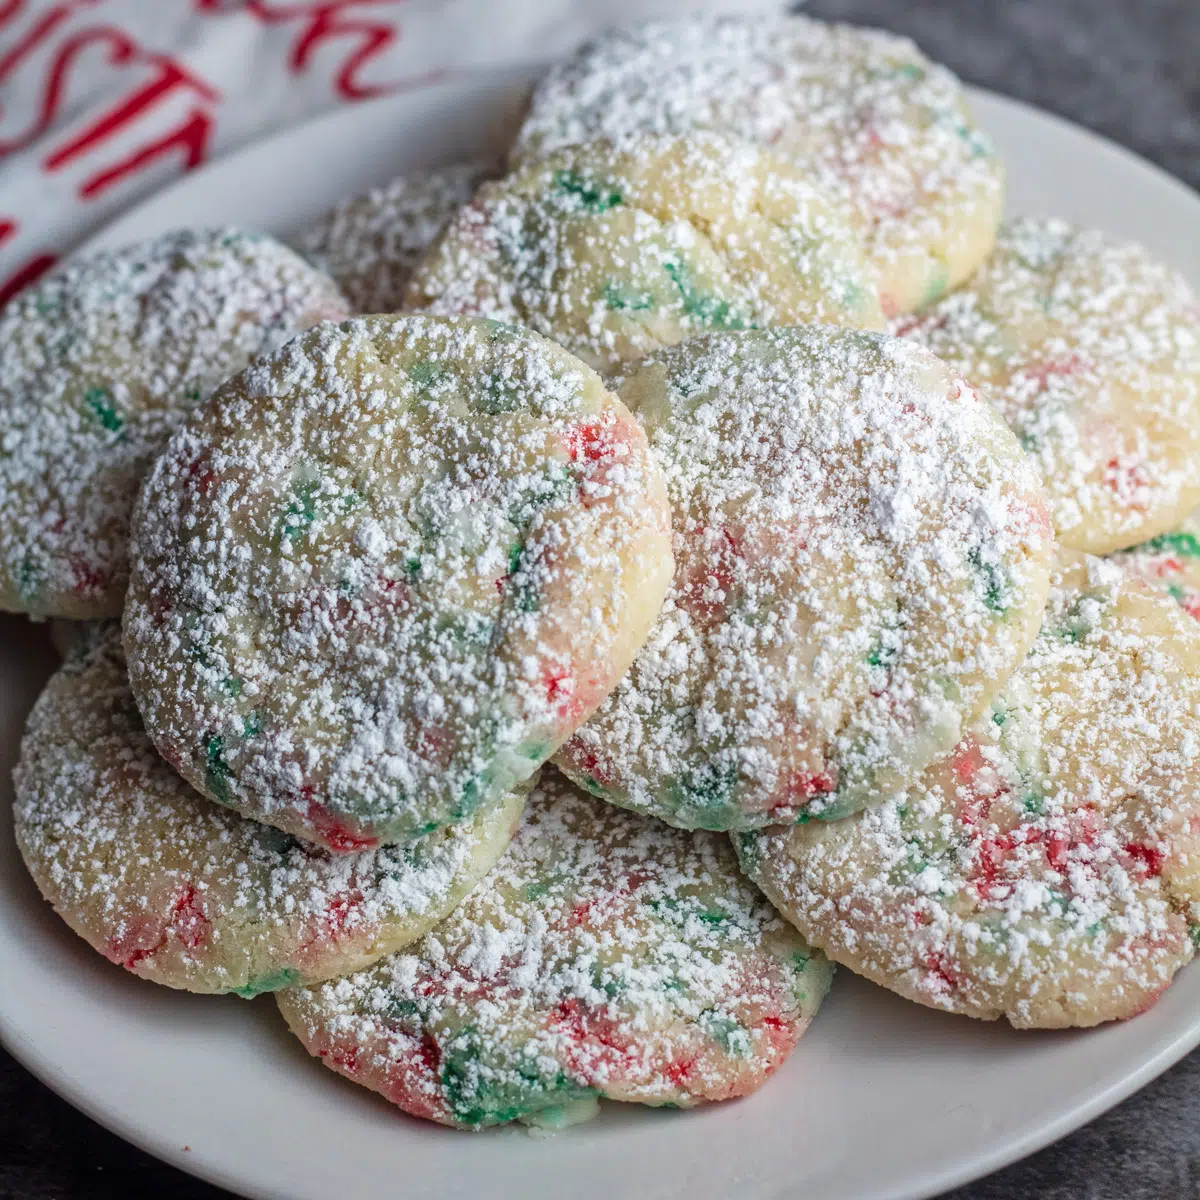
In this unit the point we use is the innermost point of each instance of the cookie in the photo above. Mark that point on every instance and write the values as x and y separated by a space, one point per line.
615 249
862 555
1090 350
387 570
370 244
605 956
99 362
1048 871
861 112
1170 562
187 894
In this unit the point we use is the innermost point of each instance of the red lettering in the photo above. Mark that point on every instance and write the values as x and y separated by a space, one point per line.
121 52
170 77
192 137
35 267
7 228
38 33
330 21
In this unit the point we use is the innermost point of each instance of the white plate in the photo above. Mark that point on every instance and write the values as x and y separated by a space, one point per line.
883 1100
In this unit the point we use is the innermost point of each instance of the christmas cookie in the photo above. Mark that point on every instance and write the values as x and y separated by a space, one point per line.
861 559
188 894
1048 871
1090 350
615 249
98 364
369 244
605 955
861 112
387 571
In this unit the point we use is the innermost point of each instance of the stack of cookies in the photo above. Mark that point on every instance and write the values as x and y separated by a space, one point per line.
722 547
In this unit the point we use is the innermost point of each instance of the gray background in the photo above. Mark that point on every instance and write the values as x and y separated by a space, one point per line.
1126 68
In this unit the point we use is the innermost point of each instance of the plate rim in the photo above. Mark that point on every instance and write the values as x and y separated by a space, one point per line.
33 1057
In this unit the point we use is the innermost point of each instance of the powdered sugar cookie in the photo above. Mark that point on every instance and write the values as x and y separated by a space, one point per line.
615 249
187 894
605 955
1048 871
98 363
1170 562
387 570
1090 349
863 112
370 244
862 555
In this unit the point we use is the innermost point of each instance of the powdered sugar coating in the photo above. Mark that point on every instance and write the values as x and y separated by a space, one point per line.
187 894
862 555
1090 350
863 112
387 570
99 362
1170 562
616 249
370 243
605 955
1048 871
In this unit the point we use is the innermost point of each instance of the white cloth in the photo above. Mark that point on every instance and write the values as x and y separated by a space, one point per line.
102 101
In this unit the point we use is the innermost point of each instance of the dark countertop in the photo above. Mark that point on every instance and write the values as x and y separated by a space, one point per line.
1125 68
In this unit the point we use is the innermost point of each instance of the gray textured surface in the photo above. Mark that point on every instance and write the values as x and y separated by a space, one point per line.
1126 68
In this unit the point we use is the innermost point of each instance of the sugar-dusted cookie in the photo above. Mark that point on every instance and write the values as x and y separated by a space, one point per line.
861 558
387 570
183 892
606 955
1048 871
615 249
861 112
99 362
1090 350
369 244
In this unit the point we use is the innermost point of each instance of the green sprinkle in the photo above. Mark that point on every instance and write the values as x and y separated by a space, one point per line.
935 289
273 982
620 299
500 396
309 502
1184 544
706 792
232 687
99 400
727 1033
426 375
883 656
1194 933
705 307
534 891
594 199
524 589
216 769
30 575
251 727
997 587
1032 802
